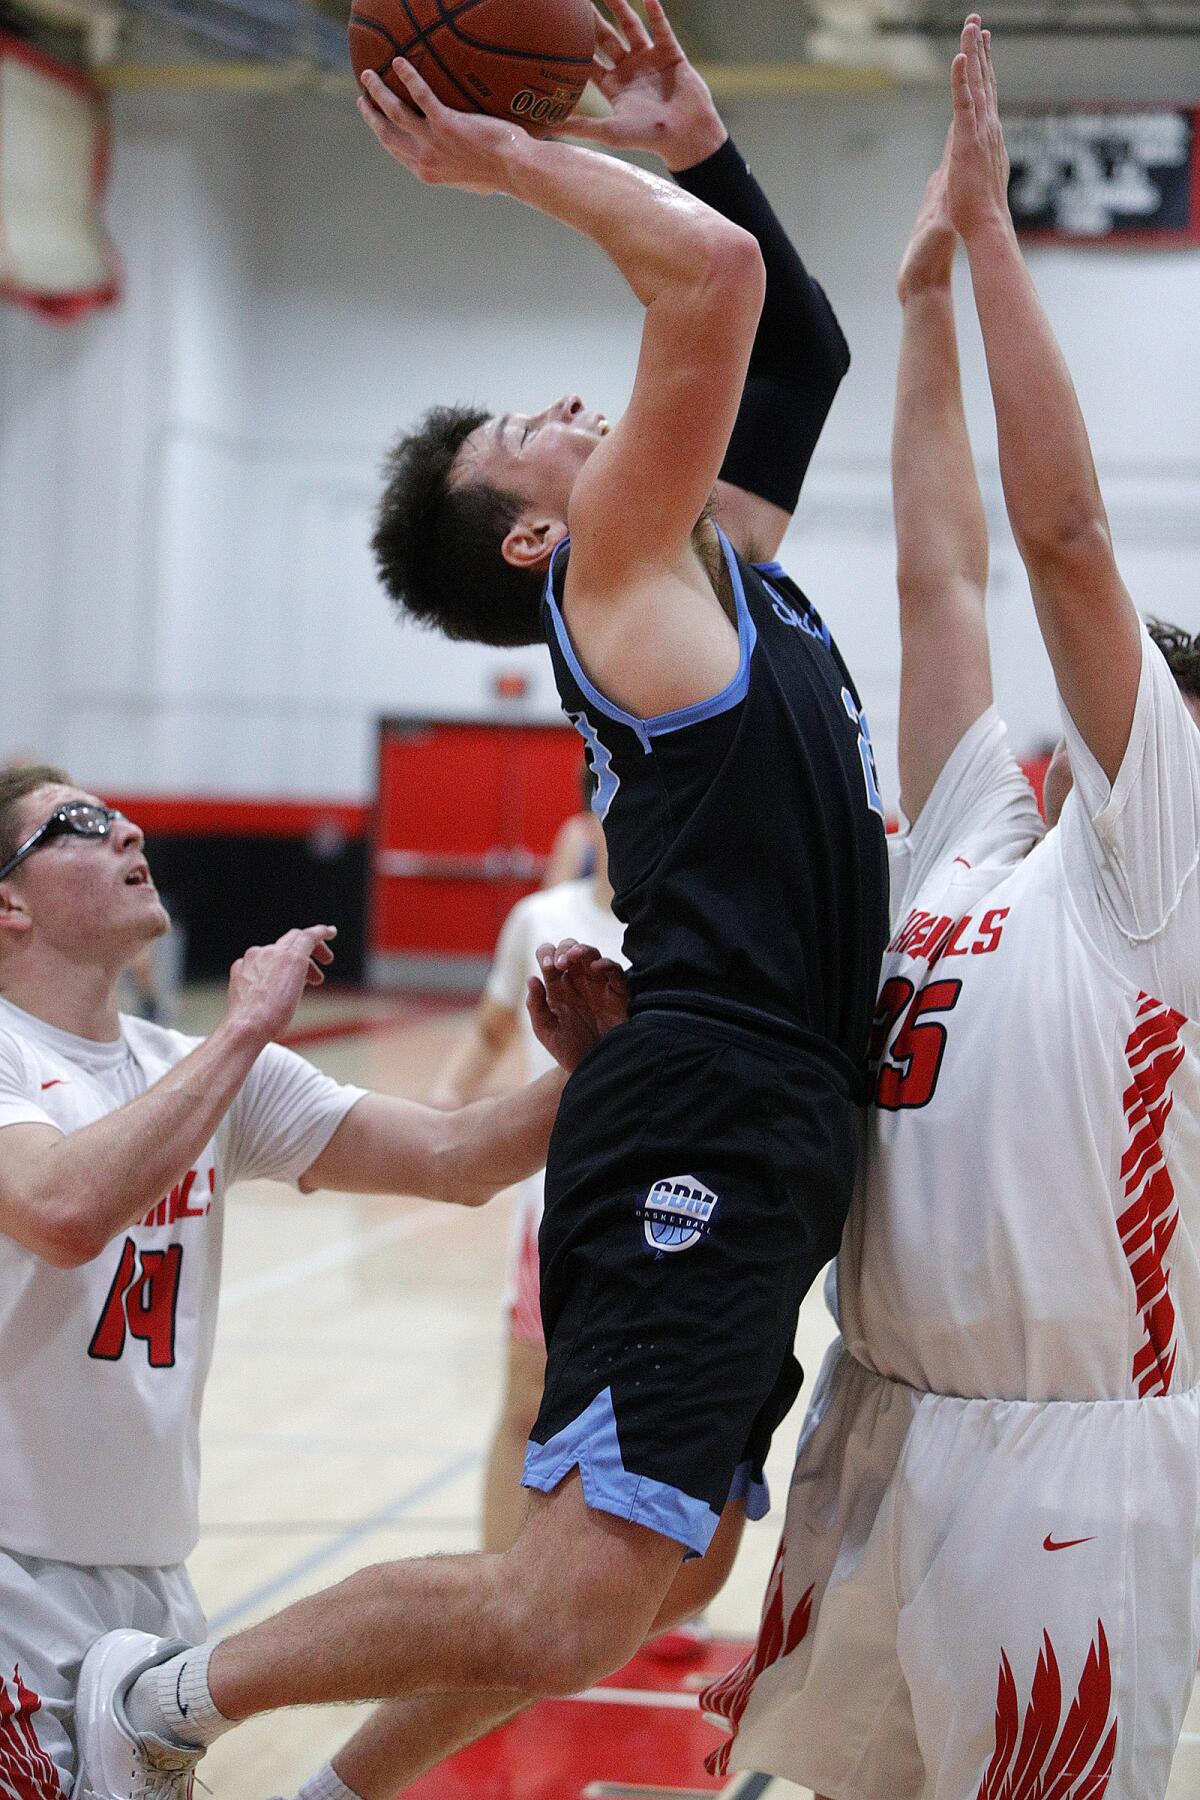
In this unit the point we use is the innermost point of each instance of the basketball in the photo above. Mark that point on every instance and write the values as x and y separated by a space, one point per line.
527 60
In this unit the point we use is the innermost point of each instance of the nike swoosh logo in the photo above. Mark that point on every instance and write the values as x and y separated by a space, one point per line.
1070 1543
57 1082
181 1704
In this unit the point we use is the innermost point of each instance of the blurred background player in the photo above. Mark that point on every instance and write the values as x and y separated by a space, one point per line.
579 909
573 852
988 1582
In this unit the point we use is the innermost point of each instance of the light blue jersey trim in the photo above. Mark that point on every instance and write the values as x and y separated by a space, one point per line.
756 1494
769 569
590 1444
661 723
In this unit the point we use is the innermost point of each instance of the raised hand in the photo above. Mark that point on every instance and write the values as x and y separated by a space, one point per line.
977 183
265 985
659 102
929 258
439 146
580 996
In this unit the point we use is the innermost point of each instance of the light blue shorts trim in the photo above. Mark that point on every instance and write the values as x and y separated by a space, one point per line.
590 1444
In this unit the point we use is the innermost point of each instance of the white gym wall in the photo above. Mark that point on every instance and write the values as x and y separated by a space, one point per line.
186 596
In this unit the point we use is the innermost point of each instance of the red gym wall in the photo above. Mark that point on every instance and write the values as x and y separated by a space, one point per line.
465 818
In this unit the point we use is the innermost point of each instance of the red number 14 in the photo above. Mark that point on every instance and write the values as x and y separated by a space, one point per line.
141 1304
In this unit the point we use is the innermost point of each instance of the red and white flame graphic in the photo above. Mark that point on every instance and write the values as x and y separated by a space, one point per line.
1045 1757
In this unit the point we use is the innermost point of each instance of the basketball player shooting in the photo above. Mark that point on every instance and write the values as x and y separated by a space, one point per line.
988 1579
702 1169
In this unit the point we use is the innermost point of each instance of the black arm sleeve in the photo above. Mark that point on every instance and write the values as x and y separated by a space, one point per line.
799 356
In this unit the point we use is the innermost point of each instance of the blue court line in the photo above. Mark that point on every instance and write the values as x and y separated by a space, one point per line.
334 1546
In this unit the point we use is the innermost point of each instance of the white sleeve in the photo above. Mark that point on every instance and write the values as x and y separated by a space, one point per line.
512 964
1138 838
981 810
284 1117
18 1102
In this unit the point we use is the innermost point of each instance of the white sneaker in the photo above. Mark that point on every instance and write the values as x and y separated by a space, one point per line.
115 1761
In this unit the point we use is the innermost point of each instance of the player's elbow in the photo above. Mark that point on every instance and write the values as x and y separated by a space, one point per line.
62 1232
731 268
1069 541
938 589
448 1173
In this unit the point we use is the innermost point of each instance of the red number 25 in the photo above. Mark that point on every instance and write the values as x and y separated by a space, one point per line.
908 1072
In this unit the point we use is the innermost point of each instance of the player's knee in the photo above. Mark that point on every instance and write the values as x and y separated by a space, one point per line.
569 1634
579 1650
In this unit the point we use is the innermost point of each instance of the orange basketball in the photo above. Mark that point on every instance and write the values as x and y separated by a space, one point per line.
516 59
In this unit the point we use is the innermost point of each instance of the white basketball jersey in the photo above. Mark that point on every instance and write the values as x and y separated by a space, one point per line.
568 910
102 1367
1028 1217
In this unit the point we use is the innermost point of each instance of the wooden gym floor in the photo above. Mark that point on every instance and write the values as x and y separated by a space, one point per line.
355 1383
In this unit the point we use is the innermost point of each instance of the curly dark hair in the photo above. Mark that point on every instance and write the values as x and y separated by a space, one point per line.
437 546
1182 653
16 781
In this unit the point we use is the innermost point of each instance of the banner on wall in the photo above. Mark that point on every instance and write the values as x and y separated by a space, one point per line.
1106 175
55 254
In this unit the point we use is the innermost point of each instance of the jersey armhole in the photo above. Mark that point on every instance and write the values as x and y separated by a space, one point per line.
659 724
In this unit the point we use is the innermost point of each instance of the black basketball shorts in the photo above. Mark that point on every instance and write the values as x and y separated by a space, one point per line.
698 1180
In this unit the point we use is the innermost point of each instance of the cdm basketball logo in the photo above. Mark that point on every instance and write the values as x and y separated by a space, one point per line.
676 1213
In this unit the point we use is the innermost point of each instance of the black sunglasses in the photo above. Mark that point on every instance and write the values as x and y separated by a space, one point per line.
78 818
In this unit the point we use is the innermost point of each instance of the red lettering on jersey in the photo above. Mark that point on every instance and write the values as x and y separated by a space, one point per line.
175 1205
935 936
923 944
914 923
991 928
179 1200
951 946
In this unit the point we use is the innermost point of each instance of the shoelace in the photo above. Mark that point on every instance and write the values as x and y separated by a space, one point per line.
167 1784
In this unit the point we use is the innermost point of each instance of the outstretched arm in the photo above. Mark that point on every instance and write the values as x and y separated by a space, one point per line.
661 104
391 1146
1086 616
941 530
65 1196
700 279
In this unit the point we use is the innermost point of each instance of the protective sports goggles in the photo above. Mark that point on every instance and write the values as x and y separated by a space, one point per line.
78 818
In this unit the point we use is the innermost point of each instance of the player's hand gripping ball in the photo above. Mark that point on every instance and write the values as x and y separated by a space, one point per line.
527 60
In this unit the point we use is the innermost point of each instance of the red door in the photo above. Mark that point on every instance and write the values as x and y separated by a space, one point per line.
465 819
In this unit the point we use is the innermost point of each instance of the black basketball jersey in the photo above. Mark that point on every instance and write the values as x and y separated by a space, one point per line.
745 834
